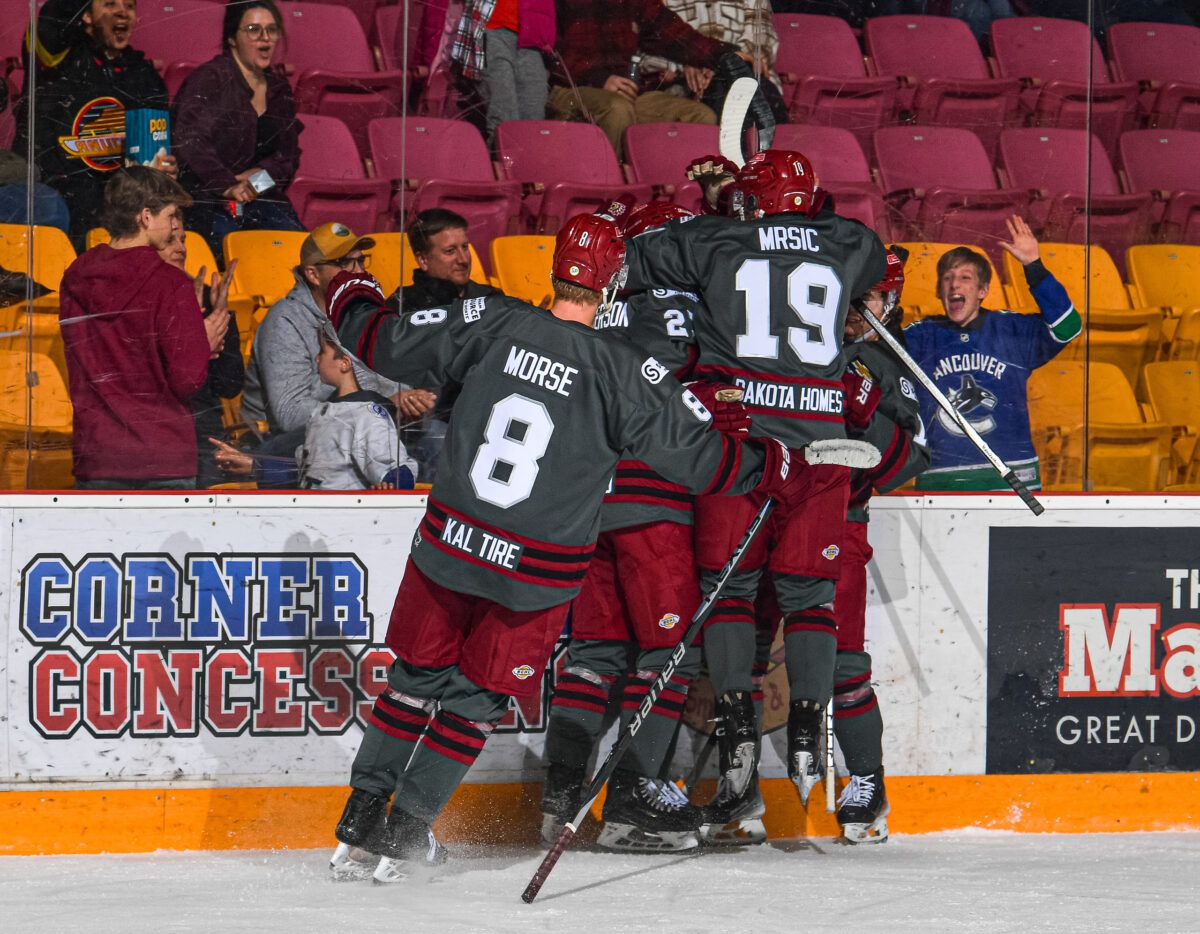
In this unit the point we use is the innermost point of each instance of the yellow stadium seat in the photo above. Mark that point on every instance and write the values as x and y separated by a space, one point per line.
52 252
1165 274
1123 451
522 265
920 296
46 336
1185 341
1129 339
1065 260
47 455
199 253
95 237
266 259
1173 388
393 262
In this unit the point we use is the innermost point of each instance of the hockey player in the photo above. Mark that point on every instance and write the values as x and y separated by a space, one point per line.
982 361
547 406
640 590
776 287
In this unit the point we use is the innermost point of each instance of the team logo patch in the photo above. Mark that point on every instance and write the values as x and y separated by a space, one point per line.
473 309
97 136
653 371
574 270
380 411
669 621
831 552
341 230
521 672
907 388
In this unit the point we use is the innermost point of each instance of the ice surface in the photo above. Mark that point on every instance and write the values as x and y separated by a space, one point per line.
964 881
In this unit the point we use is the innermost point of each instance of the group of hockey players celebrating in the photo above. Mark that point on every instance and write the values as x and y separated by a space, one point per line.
603 461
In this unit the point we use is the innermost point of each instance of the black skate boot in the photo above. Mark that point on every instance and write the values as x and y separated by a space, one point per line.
647 815
733 816
407 843
863 809
359 834
561 798
805 761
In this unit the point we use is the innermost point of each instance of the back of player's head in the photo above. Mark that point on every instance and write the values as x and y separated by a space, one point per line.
588 252
775 181
965 256
134 189
650 215
429 223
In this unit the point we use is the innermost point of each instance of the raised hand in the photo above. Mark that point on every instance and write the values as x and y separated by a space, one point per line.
1024 245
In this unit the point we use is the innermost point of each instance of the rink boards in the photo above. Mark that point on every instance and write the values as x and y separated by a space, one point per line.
194 671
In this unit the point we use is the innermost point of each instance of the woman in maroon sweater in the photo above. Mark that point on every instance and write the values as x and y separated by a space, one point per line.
234 118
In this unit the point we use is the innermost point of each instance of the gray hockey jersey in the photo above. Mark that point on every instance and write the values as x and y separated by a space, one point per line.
351 443
547 406
775 295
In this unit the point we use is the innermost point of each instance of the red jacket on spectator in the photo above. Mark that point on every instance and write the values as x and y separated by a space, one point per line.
597 38
136 353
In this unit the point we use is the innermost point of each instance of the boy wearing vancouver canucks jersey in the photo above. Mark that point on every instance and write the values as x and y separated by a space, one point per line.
982 361
775 288
547 405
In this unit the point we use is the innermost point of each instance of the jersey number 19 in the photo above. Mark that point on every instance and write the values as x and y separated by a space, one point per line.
814 293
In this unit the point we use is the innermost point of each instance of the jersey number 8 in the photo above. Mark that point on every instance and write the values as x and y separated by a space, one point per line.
814 293
515 438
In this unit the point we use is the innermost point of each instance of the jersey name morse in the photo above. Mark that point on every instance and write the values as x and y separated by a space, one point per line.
540 370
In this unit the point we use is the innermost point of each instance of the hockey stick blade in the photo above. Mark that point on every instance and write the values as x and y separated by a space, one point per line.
1009 475
626 735
733 118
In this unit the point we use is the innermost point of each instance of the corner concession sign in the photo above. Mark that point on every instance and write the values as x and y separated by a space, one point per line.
1093 649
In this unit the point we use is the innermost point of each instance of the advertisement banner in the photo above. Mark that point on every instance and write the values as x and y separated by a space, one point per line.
1093 649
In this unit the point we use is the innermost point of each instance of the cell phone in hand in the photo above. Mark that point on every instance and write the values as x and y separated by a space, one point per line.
261 181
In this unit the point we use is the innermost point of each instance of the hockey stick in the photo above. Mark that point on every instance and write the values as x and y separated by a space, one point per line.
625 739
830 776
1009 475
733 118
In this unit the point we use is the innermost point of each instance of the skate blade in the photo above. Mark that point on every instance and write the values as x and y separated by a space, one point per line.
351 864
874 832
630 839
390 871
749 832
804 778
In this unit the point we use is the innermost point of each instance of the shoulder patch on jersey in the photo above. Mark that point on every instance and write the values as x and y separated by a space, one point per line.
653 371
671 293
380 411
907 388
473 309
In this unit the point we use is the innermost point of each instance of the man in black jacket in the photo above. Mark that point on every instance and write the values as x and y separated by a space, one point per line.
88 75
439 241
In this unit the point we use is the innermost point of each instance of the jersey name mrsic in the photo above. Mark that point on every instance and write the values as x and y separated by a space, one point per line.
788 238
540 370
972 363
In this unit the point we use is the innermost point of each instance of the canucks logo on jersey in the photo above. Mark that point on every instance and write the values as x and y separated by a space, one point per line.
974 403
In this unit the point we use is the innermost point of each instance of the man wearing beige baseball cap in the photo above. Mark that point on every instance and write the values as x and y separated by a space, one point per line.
282 386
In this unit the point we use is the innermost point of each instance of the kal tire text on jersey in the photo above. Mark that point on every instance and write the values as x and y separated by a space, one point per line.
539 370
481 544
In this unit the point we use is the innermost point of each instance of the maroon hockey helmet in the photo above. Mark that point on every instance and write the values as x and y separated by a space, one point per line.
650 215
776 181
588 251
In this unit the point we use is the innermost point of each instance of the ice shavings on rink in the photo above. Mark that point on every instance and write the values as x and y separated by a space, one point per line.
962 881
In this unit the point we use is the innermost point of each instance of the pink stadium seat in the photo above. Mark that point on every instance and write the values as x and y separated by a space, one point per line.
1163 162
658 154
1165 59
566 168
389 33
842 170
945 80
465 182
14 20
364 10
825 77
1053 163
1050 58
940 183
330 184
332 68
178 32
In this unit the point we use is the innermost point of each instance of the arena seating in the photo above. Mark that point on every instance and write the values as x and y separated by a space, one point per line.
656 156
1165 275
1173 391
331 183
389 33
522 266
1163 162
52 252
47 457
393 262
1165 60
265 262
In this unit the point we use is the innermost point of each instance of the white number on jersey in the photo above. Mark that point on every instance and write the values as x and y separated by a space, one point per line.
676 324
428 316
515 438
814 293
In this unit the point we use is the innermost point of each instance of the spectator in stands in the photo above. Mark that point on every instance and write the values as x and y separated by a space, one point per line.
49 208
236 130
499 43
746 24
439 241
137 346
283 387
350 442
981 360
226 372
84 62
598 45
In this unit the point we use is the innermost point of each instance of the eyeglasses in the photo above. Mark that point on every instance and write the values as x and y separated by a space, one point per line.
362 261
257 30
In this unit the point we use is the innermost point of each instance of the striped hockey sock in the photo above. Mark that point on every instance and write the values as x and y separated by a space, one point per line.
650 746
393 728
445 754
577 716
810 648
729 645
858 724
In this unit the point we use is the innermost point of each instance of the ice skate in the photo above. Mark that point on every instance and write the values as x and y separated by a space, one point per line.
352 863
863 809
561 798
359 832
731 819
407 845
647 815
805 762
844 451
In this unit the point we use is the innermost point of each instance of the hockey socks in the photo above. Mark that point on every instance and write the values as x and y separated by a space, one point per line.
654 739
445 754
729 645
810 649
577 716
393 728
857 723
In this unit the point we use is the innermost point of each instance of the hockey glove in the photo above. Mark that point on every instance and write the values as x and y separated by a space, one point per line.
725 403
712 174
785 477
348 288
862 399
